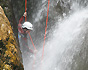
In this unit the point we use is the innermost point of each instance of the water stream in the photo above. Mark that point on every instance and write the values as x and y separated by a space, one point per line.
66 47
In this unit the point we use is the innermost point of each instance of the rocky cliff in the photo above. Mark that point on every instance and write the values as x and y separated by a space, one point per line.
10 55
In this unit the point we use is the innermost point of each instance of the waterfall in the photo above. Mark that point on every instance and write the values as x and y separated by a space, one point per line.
66 42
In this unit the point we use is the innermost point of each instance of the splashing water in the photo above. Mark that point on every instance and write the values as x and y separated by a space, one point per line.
67 47
66 43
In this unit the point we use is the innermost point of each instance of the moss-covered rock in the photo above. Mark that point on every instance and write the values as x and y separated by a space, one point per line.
10 55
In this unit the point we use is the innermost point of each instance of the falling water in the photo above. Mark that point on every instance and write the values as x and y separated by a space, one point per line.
66 46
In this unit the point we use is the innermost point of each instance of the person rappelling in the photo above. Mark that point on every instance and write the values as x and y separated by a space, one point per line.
23 30
26 27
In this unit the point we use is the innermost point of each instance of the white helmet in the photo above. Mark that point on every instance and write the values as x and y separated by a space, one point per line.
27 25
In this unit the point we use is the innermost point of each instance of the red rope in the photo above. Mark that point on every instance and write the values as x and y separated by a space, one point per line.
45 28
26 20
34 52
30 35
25 9
32 41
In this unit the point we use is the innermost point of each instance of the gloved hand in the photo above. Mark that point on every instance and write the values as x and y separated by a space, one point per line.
25 14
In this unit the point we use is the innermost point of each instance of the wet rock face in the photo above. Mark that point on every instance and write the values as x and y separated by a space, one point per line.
10 55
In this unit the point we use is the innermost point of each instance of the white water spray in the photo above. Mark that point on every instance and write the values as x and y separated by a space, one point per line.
65 43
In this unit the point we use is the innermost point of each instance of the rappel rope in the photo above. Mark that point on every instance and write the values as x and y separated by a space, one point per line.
30 37
32 41
25 9
45 29
26 20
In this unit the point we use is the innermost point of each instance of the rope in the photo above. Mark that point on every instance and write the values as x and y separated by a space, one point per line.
30 36
32 41
25 9
34 52
45 29
26 20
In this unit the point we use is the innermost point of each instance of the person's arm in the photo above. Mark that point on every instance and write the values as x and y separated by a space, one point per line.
20 21
20 25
